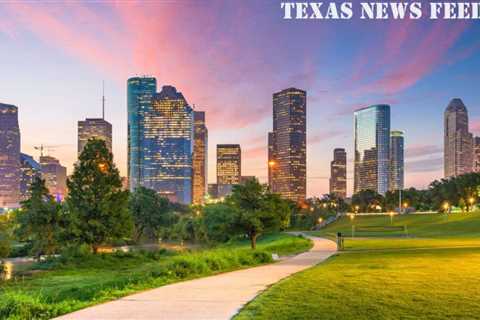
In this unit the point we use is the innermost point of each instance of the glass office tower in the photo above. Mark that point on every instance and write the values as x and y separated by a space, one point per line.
458 141
229 164
200 154
30 170
140 91
55 176
9 156
372 148
94 128
476 154
167 141
287 161
338 173
397 165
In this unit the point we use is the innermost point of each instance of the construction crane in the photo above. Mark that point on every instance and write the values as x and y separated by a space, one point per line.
46 148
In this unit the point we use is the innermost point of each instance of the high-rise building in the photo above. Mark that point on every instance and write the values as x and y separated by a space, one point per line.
55 176
229 164
338 173
372 148
94 128
397 166
30 170
140 91
476 154
288 145
271 158
458 141
9 156
245 179
167 140
213 190
200 156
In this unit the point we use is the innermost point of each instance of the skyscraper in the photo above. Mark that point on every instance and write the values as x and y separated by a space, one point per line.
397 165
338 173
9 156
372 148
476 154
200 156
140 91
55 176
229 164
167 141
271 158
30 170
94 128
288 145
458 141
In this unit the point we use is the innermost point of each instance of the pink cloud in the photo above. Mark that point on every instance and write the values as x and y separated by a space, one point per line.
475 126
415 151
410 52
160 39
45 22
256 152
322 136
425 58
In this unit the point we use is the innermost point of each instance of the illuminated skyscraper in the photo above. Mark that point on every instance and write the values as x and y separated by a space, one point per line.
229 164
458 141
55 176
338 173
140 91
397 166
476 154
245 179
9 156
166 163
200 156
288 145
30 170
271 158
96 128
372 148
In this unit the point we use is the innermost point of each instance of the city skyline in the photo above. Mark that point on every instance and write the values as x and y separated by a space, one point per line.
417 86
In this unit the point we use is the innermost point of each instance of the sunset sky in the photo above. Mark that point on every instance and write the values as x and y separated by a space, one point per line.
227 58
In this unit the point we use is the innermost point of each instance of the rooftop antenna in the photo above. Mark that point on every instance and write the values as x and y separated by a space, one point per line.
103 99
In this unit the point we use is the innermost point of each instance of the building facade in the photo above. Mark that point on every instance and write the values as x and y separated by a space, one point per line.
30 170
372 148
140 91
94 128
200 157
245 179
287 161
458 141
229 164
397 165
476 154
55 176
9 156
168 146
338 173
271 158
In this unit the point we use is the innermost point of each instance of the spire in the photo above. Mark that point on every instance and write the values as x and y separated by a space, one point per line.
103 100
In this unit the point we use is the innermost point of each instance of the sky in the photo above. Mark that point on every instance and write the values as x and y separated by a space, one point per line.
228 58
